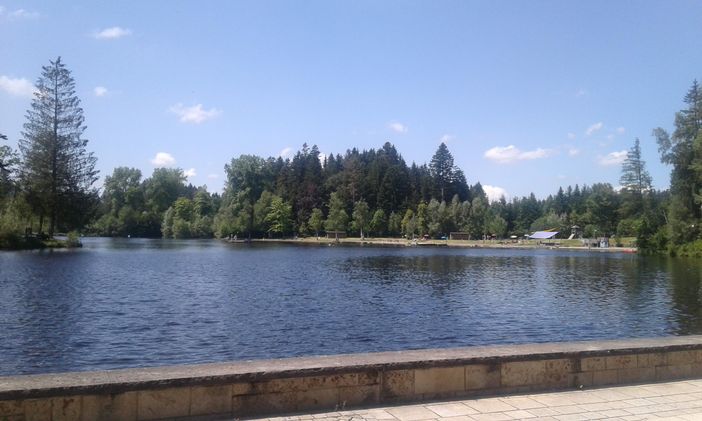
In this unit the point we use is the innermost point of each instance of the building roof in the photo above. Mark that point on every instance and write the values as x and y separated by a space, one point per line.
543 235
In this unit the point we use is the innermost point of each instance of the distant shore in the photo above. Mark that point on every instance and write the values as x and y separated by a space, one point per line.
403 242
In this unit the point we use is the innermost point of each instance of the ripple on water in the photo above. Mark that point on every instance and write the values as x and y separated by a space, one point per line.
128 303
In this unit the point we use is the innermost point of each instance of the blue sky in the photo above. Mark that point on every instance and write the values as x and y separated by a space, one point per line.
528 95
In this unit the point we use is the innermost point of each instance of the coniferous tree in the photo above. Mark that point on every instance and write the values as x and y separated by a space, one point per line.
442 169
635 178
683 150
635 182
8 164
57 171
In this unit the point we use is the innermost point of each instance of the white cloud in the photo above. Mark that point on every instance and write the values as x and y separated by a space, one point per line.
580 93
573 152
100 91
621 130
17 87
610 137
446 138
286 153
195 114
18 14
397 127
593 128
22 14
571 136
613 158
508 154
114 32
190 172
163 159
213 176
494 193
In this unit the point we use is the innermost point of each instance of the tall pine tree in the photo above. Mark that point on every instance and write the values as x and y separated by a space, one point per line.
442 169
635 181
57 171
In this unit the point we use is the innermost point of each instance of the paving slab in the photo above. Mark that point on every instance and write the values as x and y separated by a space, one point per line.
674 401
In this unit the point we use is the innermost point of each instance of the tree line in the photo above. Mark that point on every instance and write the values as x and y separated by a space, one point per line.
48 185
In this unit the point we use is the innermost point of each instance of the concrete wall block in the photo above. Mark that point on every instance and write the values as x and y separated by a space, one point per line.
523 373
263 404
327 399
605 377
11 408
651 360
616 362
163 403
681 357
558 372
367 378
359 396
242 389
592 363
112 407
66 408
397 384
206 400
637 375
673 372
482 376
582 379
295 384
439 380
335 380
37 409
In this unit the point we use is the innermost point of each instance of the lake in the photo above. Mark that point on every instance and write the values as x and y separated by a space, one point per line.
120 303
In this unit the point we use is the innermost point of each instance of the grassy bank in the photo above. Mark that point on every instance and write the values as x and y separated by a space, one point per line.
11 241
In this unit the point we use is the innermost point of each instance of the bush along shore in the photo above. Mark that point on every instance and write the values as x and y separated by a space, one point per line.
12 241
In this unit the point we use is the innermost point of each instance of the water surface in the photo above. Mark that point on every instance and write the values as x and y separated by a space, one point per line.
130 302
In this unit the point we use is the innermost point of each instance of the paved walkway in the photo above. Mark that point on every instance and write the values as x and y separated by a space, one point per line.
681 400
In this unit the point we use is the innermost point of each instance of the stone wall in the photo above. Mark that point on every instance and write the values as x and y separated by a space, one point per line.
326 383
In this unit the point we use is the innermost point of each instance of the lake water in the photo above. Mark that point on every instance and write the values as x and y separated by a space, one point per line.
130 302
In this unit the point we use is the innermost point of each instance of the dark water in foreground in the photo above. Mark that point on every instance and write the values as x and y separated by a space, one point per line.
127 303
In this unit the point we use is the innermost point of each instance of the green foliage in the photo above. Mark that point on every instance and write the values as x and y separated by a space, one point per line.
186 219
446 176
683 151
394 224
316 221
497 226
361 216
635 182
338 219
57 171
409 224
550 221
629 227
378 224
9 160
279 217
